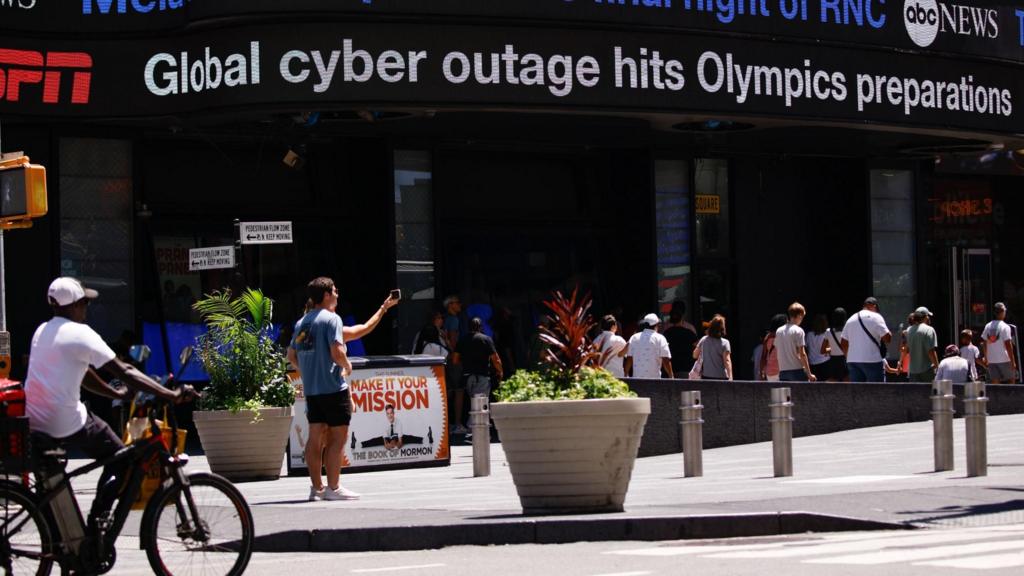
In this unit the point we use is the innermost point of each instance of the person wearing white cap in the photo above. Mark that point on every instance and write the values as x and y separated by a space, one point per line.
648 352
998 342
63 353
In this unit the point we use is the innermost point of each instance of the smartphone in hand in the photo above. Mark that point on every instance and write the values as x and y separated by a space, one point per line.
396 294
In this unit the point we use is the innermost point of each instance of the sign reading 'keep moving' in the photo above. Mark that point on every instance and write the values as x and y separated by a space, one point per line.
265 232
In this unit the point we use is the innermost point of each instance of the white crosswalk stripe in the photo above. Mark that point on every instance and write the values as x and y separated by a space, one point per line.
969 548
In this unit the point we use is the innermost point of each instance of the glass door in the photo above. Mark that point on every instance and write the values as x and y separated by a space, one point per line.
971 287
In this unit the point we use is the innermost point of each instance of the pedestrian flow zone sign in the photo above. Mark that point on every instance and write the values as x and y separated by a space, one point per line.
265 232
211 258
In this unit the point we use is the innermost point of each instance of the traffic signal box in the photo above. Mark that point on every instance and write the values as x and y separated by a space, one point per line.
22 193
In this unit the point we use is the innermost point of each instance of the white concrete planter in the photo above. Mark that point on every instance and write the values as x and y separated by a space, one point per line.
571 456
239 449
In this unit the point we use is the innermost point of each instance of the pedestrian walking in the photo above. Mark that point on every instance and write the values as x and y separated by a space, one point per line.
923 345
971 353
999 353
682 337
837 371
477 355
648 353
791 342
817 347
769 355
611 346
714 352
865 336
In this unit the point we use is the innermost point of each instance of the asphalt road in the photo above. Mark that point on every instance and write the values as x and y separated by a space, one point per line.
997 551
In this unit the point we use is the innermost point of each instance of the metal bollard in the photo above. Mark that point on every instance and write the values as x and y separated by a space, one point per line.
690 410
480 424
974 420
782 431
942 424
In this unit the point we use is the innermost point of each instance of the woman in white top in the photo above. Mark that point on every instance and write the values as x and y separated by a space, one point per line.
817 352
837 371
430 339
611 346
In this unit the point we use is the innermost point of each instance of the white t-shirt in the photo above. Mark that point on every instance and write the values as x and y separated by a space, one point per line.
613 343
995 335
834 337
61 353
971 354
788 340
647 348
863 349
814 355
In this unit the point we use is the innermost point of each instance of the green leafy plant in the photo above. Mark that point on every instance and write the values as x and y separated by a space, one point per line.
247 369
571 371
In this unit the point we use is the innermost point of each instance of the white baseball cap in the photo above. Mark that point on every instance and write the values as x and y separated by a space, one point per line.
65 291
651 320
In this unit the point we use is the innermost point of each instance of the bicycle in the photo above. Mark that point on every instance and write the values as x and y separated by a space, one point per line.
193 522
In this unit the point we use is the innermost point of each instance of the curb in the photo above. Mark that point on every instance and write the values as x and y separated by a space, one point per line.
562 531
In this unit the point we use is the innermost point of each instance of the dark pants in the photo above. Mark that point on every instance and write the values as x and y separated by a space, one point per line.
792 376
98 441
866 371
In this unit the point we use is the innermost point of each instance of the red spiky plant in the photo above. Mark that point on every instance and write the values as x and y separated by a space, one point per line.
566 335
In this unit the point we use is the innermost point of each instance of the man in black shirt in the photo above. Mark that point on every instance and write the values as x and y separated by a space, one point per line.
682 337
476 354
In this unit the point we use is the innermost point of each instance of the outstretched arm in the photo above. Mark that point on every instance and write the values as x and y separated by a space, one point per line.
136 380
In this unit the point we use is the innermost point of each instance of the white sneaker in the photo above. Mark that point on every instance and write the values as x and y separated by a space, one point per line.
340 493
315 494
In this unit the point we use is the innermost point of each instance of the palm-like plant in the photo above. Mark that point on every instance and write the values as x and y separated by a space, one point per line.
246 368
567 335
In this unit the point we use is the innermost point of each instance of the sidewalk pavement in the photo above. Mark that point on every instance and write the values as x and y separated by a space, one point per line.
855 480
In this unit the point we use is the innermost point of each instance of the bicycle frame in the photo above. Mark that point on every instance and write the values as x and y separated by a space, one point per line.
68 522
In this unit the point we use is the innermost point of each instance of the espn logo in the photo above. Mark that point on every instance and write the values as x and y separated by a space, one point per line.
27 67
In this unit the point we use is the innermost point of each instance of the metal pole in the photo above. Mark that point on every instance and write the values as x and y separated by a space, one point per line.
480 423
974 419
3 286
782 431
690 410
942 424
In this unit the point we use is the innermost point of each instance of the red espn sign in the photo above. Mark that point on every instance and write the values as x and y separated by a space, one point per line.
21 67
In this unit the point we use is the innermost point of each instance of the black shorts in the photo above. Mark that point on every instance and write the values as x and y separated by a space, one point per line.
331 409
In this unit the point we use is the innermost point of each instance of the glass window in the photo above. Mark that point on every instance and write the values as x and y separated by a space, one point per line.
712 208
96 227
672 193
414 242
892 247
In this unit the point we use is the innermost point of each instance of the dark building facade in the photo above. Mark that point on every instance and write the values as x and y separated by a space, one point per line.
733 155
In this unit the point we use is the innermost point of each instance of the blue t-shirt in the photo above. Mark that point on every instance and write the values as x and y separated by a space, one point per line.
452 324
314 336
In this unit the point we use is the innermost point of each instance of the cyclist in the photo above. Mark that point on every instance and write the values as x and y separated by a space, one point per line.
64 352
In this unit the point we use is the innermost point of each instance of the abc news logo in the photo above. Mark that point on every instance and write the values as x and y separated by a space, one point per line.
27 68
924 20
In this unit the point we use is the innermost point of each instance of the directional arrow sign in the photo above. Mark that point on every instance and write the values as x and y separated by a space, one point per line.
211 258
265 232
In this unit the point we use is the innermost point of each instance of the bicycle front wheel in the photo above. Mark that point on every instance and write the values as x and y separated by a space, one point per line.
206 530
24 534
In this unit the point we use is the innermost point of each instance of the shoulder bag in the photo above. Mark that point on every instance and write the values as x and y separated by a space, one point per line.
881 347
698 365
